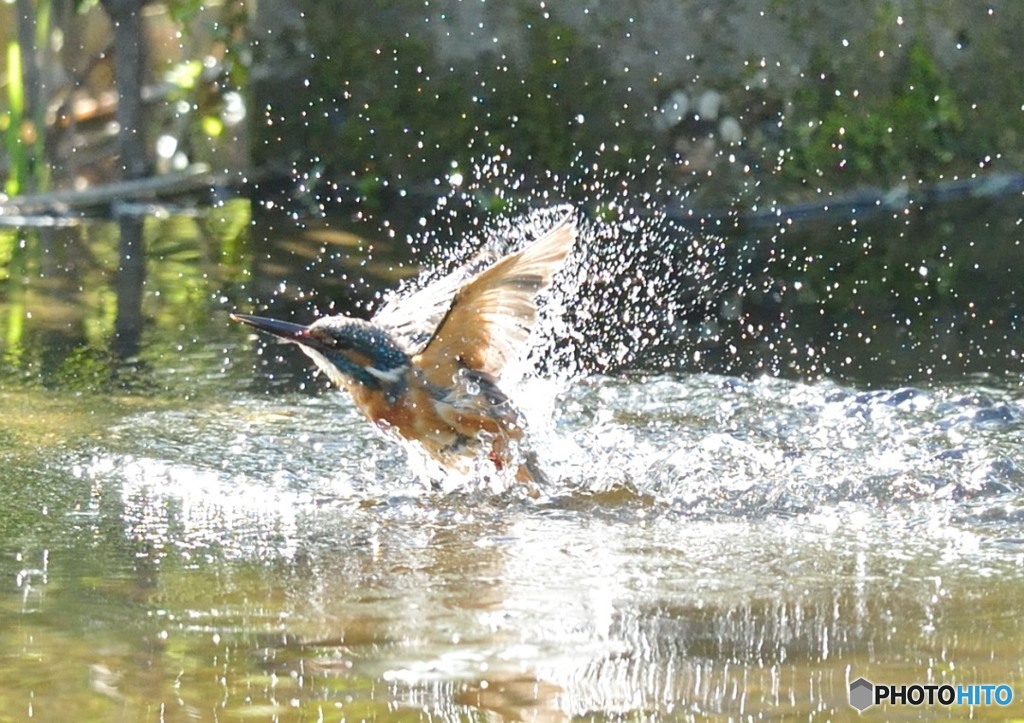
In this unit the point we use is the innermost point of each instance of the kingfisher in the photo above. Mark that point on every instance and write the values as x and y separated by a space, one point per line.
428 366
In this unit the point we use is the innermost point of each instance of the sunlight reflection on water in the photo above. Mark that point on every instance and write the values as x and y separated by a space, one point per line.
212 544
710 546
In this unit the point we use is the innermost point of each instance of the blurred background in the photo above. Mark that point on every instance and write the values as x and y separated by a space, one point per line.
855 158
781 406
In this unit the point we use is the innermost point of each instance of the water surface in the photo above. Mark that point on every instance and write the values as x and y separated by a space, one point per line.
202 532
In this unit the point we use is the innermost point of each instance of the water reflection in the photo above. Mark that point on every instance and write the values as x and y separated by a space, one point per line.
269 575
131 276
205 544
455 606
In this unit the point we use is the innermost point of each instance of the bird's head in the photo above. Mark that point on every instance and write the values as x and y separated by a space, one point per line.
349 351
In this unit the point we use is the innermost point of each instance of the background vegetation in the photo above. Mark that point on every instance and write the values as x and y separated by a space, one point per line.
791 96
734 117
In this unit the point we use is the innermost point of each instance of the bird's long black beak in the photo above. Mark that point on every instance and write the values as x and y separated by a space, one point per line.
283 329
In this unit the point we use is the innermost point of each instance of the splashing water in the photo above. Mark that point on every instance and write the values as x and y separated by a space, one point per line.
705 541
634 292
638 299
637 290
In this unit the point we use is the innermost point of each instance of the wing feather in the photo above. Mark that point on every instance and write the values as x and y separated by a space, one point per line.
413 318
491 315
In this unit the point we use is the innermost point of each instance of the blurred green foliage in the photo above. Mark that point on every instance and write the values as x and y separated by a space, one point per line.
58 311
397 95
915 129
199 51
401 113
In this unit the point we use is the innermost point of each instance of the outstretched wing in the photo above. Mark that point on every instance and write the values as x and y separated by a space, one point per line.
490 316
413 318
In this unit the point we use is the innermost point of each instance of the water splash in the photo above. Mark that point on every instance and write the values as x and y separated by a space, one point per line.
718 445
700 445
641 288
649 293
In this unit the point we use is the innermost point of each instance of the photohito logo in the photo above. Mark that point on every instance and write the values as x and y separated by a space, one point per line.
861 694
864 694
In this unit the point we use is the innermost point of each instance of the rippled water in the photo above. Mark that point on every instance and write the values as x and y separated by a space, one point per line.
712 547
205 533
